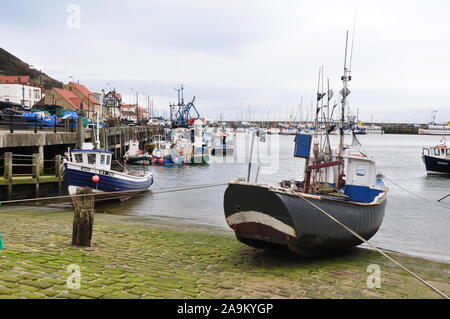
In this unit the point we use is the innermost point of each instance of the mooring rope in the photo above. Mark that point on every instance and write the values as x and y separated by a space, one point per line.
106 194
416 195
377 249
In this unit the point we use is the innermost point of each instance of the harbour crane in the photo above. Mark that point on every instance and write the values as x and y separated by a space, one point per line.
181 114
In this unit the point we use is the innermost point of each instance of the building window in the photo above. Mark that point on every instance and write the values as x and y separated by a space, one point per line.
37 96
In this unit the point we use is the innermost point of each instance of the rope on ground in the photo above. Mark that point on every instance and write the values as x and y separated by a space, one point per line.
377 249
417 195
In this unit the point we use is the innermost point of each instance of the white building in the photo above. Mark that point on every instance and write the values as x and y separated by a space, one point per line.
17 90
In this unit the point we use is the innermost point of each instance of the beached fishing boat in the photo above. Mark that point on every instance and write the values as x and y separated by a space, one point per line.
343 183
437 158
91 167
135 156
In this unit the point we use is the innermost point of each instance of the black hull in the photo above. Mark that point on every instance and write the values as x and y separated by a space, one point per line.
436 165
261 216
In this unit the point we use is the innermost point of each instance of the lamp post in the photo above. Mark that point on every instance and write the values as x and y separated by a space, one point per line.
90 94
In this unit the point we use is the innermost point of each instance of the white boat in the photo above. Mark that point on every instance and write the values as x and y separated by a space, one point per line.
434 129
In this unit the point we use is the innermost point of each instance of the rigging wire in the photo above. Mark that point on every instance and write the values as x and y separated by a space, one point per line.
377 249
417 195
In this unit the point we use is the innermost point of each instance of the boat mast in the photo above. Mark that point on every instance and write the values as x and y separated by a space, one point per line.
344 92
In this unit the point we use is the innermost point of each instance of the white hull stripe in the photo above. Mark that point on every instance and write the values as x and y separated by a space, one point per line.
260 218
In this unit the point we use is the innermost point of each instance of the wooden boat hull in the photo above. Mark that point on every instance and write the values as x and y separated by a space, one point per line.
436 165
262 216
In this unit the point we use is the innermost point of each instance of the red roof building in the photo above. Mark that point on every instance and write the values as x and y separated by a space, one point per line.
67 99
14 79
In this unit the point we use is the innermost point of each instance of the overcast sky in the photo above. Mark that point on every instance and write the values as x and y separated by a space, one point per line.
240 55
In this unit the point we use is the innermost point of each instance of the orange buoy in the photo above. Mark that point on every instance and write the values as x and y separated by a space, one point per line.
95 178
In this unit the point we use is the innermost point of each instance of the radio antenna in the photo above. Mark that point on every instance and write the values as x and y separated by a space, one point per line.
353 39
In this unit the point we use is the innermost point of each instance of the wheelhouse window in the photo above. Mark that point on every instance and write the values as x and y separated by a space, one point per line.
102 159
92 158
108 159
78 158
361 170
448 152
436 152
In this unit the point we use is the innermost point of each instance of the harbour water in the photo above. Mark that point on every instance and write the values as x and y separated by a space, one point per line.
413 225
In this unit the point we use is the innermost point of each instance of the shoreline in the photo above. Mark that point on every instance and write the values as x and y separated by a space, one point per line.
135 257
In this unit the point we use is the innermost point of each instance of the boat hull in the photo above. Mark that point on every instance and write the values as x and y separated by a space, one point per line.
109 181
261 216
435 165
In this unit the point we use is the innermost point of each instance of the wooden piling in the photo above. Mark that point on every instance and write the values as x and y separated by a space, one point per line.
8 171
36 159
83 218
58 175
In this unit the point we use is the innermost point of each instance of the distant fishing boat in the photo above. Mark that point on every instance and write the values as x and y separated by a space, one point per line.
437 158
91 167
344 183
136 156
222 144
374 129
166 154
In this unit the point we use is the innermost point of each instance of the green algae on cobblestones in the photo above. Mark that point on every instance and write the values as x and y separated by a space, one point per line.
136 258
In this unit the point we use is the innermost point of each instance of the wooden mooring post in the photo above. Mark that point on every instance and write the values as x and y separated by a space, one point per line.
58 171
8 171
36 170
83 218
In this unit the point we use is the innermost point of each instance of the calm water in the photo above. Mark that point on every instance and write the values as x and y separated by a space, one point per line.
411 225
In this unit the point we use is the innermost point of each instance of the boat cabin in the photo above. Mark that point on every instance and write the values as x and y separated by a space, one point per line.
441 151
361 183
90 157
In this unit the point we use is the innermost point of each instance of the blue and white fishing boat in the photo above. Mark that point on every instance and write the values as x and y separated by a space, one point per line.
343 183
90 167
